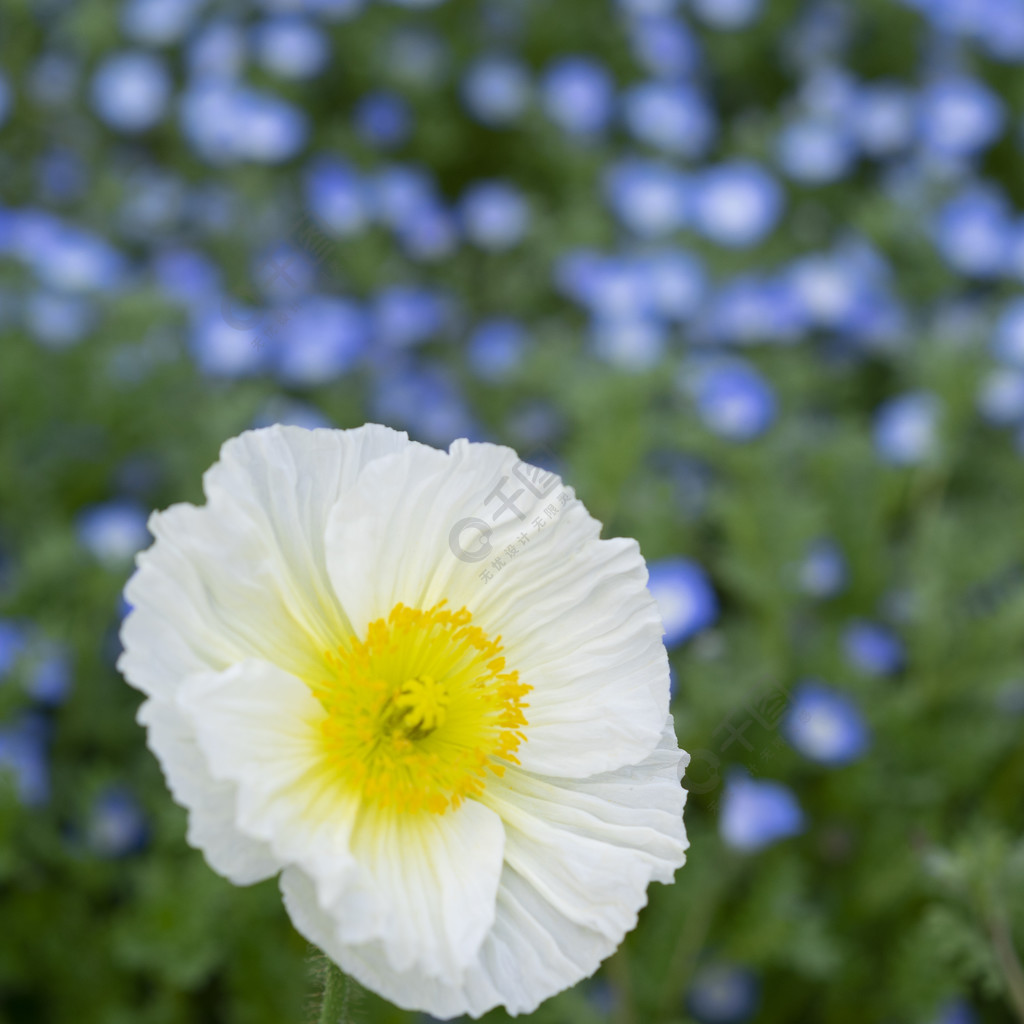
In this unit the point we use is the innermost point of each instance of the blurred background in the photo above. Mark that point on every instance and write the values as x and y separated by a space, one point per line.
746 272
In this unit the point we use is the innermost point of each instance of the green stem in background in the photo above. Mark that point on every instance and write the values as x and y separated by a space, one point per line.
692 937
337 997
1009 962
618 973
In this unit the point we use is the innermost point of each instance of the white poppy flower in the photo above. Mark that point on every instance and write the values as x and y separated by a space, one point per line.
418 685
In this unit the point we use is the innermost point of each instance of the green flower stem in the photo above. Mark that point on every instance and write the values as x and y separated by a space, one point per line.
337 996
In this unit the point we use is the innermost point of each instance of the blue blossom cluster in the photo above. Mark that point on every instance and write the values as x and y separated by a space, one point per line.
43 668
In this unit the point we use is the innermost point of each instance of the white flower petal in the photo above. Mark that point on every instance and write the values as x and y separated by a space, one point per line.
420 887
257 728
211 804
573 611
245 575
614 833
432 879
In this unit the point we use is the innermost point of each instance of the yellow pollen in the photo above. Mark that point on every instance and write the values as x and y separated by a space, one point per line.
422 704
420 711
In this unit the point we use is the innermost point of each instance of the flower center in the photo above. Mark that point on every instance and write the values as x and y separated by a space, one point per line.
420 706
421 710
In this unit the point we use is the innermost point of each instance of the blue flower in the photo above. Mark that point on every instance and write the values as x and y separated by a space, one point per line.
629 343
1015 252
496 89
290 413
722 993
13 641
734 401
225 339
428 232
1001 29
610 287
825 726
334 10
58 320
1008 340
158 22
336 196
383 119
815 151
5 100
885 118
727 15
114 531
494 215
873 649
838 291
425 401
578 94
117 826
218 50
646 8
973 233
685 598
823 572
1001 396
405 316
227 123
650 198
906 429
496 348
269 130
186 276
400 192
749 310
50 671
72 260
130 91
673 283
737 204
674 117
955 1011
756 813
960 117
664 46
323 338
24 755
291 47
829 93
283 272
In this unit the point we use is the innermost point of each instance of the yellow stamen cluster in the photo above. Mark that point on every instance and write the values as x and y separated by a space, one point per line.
421 710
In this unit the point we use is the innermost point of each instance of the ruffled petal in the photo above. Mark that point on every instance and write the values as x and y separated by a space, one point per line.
615 833
211 804
573 611
420 887
245 575
257 728
427 893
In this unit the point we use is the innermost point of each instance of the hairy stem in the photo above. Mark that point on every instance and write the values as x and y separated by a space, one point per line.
337 996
